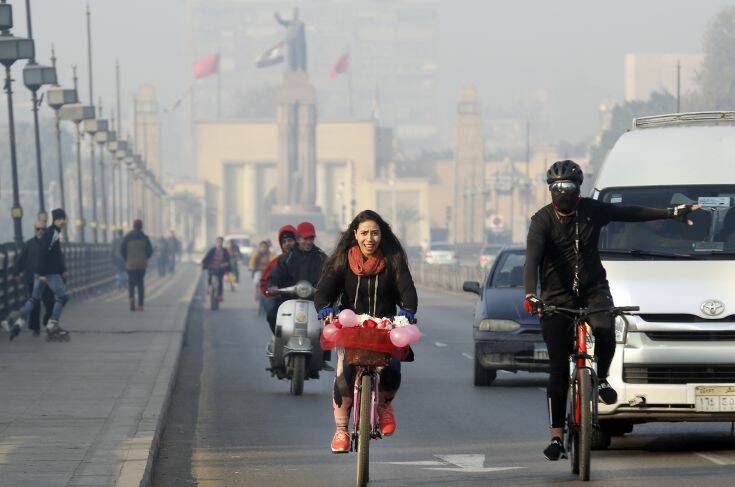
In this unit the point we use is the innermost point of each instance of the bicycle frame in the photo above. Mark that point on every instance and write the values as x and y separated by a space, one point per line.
582 360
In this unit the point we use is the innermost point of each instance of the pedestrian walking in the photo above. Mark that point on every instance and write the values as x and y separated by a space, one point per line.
136 249
52 274
174 247
26 268
162 256
121 277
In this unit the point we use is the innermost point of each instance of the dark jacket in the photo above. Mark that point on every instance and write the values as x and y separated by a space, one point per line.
378 295
28 261
297 265
210 255
50 258
136 249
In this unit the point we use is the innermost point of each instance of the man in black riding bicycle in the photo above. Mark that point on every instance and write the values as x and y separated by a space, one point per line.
562 249
217 262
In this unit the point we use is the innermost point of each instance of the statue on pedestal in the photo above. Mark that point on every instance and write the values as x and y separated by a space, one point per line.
295 42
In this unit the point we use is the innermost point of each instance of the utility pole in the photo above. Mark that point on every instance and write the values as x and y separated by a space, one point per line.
678 86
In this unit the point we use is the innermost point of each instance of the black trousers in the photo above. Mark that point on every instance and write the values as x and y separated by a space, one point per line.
558 332
47 298
390 380
136 279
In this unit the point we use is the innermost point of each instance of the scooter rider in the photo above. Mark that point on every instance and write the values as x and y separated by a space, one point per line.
286 239
562 249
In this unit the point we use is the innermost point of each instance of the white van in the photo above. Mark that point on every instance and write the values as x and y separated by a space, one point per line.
675 360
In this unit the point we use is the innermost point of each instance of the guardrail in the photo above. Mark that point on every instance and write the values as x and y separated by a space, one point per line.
89 266
445 277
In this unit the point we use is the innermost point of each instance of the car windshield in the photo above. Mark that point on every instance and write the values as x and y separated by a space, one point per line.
509 270
712 236
441 248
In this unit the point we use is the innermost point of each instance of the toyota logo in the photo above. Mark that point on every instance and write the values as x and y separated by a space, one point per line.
713 307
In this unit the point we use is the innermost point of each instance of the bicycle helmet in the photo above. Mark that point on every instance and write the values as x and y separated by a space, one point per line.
564 171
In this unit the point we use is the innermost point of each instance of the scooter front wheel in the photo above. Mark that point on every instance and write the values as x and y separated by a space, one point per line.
298 372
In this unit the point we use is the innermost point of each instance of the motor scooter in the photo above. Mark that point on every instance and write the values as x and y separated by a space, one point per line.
295 353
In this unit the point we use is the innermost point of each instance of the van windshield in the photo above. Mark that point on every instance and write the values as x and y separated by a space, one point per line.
712 236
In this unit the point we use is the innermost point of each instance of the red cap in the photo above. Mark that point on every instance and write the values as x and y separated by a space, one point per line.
306 230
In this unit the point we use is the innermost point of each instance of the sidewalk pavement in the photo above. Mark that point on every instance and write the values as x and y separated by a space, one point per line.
89 412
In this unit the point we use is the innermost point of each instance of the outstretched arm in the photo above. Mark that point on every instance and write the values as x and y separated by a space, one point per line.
619 213
280 20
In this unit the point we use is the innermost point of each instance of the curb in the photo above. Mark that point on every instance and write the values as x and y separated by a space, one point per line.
137 469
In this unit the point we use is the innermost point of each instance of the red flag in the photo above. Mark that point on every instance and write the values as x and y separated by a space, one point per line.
341 67
206 66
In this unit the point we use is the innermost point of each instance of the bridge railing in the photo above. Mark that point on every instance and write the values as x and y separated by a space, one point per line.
89 265
445 277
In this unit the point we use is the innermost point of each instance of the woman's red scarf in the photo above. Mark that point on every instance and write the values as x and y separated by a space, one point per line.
365 266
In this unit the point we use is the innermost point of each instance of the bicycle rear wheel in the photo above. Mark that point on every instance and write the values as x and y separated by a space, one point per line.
585 424
363 433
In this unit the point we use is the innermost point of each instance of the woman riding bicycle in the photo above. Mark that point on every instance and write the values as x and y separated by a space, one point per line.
367 273
217 263
562 249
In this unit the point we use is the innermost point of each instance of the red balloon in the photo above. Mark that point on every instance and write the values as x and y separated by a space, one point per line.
369 324
329 332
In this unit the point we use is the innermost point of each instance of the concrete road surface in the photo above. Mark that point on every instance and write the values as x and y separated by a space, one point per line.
231 424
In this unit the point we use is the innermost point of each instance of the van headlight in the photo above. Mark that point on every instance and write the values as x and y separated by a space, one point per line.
498 325
621 329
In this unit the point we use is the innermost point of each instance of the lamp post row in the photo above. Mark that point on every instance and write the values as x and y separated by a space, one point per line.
66 105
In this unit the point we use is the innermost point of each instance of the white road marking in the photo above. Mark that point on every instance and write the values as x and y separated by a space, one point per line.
440 344
468 356
716 459
467 463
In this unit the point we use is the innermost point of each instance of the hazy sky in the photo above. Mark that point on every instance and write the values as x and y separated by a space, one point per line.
567 55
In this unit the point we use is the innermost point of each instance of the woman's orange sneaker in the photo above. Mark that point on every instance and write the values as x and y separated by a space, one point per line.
341 441
387 419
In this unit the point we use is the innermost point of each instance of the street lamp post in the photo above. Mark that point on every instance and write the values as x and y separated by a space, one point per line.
115 147
57 97
91 127
12 49
102 138
77 113
35 76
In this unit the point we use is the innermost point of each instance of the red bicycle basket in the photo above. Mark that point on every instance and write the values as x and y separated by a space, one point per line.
364 340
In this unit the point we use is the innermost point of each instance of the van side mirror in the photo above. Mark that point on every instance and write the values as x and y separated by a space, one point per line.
471 287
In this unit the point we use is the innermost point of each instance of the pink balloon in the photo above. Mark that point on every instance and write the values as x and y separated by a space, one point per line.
414 334
329 332
348 318
399 337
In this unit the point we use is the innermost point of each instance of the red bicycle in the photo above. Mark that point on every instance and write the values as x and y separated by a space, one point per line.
582 412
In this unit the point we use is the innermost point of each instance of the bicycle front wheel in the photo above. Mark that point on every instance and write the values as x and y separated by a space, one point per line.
363 432
585 423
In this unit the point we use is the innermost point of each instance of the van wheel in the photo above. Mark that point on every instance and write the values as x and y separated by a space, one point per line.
616 427
600 438
483 376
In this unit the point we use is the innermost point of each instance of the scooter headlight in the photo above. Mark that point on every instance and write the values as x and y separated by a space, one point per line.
304 290
621 329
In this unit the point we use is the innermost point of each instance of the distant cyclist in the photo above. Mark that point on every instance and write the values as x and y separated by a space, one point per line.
217 263
562 249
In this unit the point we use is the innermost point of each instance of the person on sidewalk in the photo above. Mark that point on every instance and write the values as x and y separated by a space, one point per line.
162 256
174 248
136 249
52 274
26 267
121 275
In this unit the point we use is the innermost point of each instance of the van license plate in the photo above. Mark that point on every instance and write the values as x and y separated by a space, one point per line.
540 352
714 399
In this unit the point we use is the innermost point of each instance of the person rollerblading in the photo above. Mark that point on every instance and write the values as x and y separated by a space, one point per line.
55 333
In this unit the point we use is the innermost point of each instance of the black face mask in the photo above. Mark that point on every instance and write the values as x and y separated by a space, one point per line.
565 200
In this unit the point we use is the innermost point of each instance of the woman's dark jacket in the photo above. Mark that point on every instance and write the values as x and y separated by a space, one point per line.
395 288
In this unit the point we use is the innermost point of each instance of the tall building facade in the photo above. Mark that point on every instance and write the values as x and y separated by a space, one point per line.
469 159
647 73
392 66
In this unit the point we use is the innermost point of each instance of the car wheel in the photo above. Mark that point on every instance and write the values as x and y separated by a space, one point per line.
616 427
483 376
600 439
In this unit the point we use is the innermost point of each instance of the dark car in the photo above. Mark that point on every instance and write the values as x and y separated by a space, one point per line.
506 336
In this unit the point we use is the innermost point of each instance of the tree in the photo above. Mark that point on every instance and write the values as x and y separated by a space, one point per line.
621 119
717 76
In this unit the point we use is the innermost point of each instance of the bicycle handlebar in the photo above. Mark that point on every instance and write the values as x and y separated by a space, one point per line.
616 310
